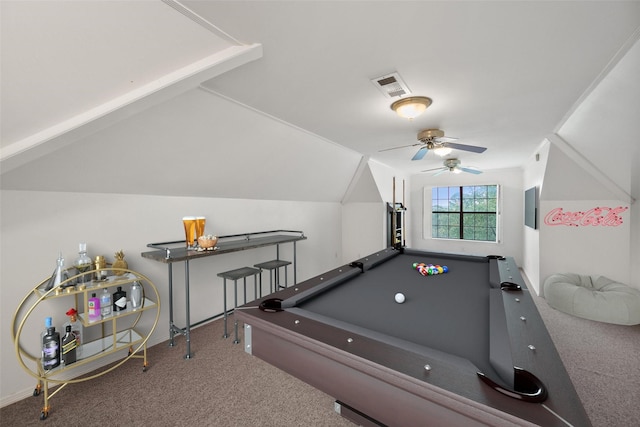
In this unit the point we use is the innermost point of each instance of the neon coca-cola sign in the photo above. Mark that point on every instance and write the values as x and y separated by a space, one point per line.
599 216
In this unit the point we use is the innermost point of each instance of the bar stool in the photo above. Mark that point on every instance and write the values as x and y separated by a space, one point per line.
239 273
273 267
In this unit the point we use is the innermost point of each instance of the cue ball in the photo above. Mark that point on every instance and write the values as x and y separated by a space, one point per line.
399 298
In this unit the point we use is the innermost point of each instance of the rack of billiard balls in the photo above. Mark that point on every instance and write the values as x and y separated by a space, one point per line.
430 269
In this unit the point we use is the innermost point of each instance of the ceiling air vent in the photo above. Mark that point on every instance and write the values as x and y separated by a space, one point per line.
391 85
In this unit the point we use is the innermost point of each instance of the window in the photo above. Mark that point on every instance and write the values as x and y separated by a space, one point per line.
467 213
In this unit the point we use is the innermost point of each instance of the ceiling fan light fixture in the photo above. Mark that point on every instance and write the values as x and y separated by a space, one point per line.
411 107
456 170
442 151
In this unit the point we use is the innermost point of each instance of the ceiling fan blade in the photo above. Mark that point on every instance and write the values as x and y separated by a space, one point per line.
474 171
465 147
442 170
434 169
420 154
444 139
402 146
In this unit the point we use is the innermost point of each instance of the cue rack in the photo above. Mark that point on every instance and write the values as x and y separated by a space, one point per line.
396 222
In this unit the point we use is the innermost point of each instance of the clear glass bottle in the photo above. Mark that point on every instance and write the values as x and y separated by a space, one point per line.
59 275
105 303
136 295
83 264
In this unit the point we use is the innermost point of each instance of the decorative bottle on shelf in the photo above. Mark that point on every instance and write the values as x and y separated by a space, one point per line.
119 300
59 275
83 264
105 303
136 295
69 346
50 346
76 329
94 308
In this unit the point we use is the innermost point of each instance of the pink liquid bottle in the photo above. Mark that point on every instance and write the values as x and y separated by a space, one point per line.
94 308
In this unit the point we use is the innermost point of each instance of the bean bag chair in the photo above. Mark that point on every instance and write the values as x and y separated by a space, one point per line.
594 298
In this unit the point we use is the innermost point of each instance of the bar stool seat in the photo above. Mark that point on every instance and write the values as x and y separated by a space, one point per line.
274 267
235 275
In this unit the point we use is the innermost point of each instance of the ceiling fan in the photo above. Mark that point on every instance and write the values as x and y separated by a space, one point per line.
434 139
453 165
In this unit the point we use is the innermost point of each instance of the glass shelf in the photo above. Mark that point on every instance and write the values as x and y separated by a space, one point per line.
99 348
94 285
146 305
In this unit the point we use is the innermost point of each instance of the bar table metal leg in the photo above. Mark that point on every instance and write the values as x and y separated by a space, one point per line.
187 332
235 307
171 324
224 292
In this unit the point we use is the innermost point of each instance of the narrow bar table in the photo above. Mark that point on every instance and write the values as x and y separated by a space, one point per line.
169 253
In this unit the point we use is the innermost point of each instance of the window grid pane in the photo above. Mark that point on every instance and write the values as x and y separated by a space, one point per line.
472 217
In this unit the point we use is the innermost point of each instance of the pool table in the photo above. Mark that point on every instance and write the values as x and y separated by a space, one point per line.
466 347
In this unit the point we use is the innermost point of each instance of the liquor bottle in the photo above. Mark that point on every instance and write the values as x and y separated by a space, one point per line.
119 300
83 264
93 305
69 346
50 346
105 303
136 295
76 329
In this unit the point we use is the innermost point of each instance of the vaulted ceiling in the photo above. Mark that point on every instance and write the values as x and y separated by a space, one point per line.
274 99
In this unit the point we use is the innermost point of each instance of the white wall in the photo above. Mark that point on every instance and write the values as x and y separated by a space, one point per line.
533 176
511 216
35 226
573 185
634 216
196 145
634 252
585 249
364 222
363 230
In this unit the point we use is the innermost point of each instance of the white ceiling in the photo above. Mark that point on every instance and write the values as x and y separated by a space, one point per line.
60 60
138 76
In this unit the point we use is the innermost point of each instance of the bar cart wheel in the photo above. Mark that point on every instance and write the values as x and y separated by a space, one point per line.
45 413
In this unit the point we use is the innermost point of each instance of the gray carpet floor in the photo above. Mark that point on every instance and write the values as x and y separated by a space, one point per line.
220 386
603 361
223 386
